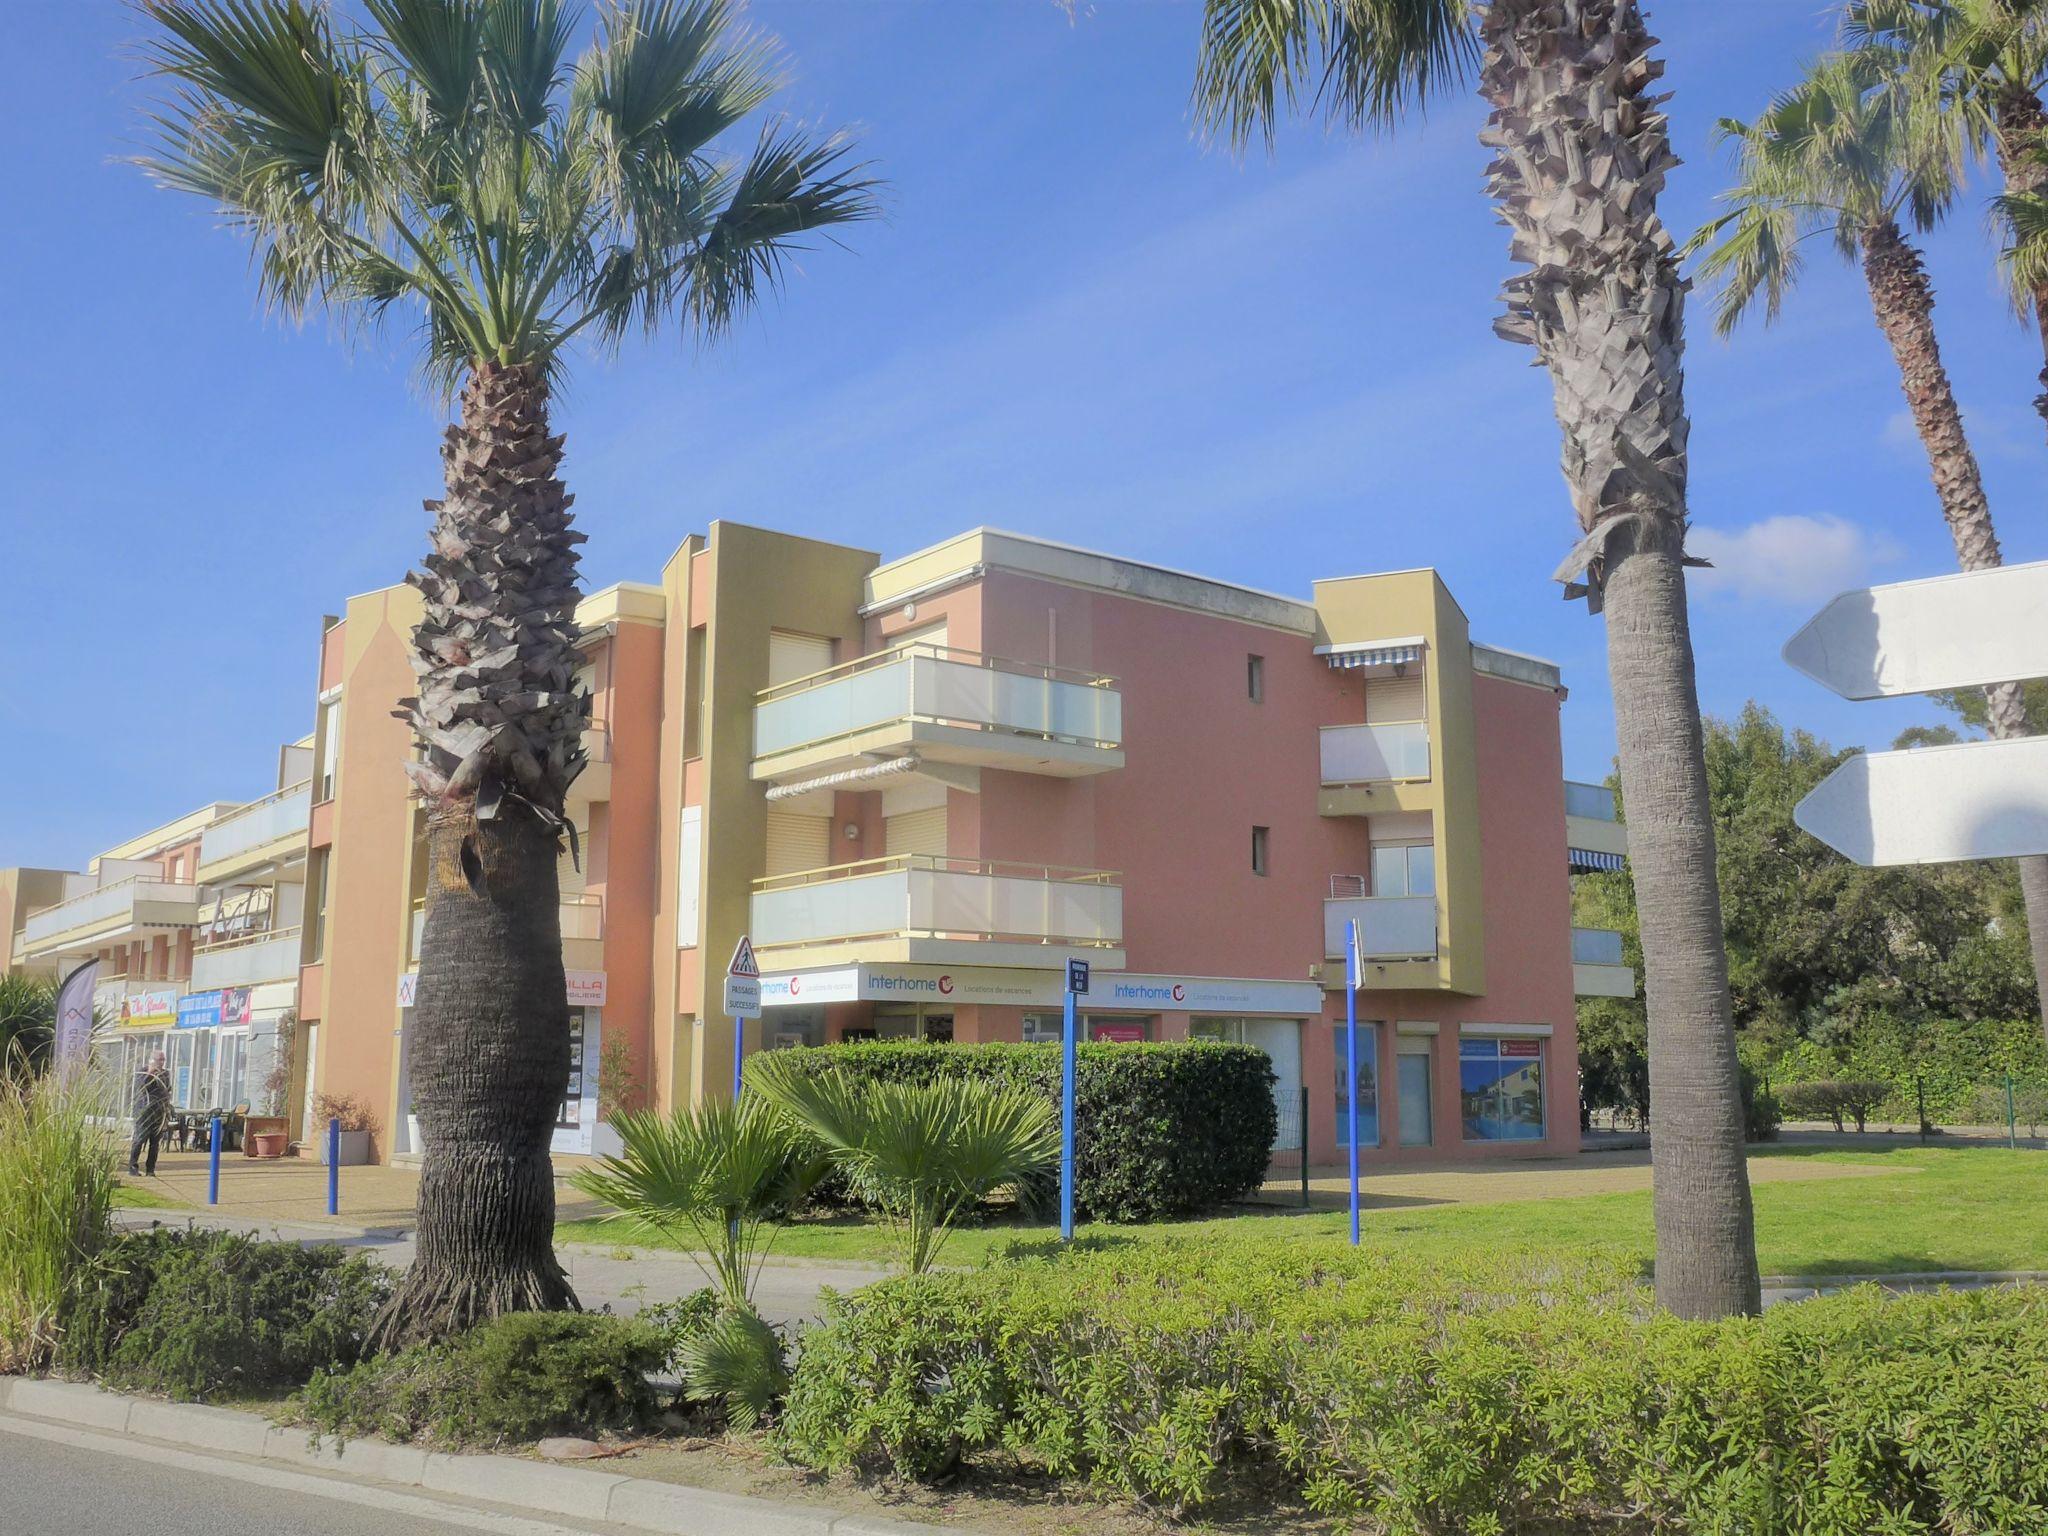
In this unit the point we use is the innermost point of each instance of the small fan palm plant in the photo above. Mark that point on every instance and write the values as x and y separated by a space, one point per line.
711 1179
1580 152
447 160
923 1154
1856 153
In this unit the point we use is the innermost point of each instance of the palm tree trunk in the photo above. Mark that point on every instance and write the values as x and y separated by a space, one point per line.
500 726
1903 298
2019 134
1581 155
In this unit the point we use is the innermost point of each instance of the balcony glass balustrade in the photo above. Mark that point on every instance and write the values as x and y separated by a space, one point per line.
1366 754
1389 927
256 825
931 896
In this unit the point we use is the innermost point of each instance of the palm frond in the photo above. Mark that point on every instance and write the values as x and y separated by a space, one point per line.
1365 63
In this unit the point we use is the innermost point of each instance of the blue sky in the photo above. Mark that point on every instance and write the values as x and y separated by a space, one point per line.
1075 322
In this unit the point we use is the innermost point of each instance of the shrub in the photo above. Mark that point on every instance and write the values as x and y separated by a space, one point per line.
1485 1395
508 1381
1164 1129
196 1314
1762 1113
1835 1099
351 1111
56 1189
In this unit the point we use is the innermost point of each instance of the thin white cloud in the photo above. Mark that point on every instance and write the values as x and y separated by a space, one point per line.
1789 559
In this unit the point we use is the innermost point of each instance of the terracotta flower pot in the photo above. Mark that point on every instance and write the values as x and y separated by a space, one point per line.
267 1144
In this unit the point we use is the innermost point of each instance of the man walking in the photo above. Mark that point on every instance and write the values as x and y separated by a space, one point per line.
150 1105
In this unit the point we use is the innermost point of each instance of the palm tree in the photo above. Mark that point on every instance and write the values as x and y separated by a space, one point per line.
923 1153
1580 155
1986 61
449 161
717 1173
1850 153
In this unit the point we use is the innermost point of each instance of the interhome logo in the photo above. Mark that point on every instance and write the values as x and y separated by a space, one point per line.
1132 992
887 983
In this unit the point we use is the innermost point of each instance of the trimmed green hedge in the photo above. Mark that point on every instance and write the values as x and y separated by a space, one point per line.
1164 1129
1505 1393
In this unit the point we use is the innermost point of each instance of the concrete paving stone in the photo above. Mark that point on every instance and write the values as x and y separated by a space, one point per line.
70 1402
570 1491
701 1512
199 1426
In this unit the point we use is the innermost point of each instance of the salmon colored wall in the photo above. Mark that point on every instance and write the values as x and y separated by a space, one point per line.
630 868
367 909
1203 765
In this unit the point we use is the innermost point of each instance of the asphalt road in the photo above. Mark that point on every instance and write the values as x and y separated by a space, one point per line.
60 1479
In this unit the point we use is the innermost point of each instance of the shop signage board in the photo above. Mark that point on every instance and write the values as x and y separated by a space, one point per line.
1108 991
199 1010
1931 805
149 1010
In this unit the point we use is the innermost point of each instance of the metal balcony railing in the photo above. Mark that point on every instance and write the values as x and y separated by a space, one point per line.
1595 802
1389 927
122 896
272 955
1596 946
942 685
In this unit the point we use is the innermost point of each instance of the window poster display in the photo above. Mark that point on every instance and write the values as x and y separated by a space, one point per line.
576 1122
1500 1089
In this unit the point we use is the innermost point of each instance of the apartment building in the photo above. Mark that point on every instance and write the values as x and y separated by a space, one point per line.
922 784
197 925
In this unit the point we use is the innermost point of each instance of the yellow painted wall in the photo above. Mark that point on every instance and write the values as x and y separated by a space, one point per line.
756 581
1390 607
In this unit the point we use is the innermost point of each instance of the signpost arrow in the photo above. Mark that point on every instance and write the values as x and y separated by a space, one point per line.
1934 805
1961 631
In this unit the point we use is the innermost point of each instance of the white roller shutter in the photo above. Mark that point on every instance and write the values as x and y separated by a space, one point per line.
928 634
1392 699
791 656
797 842
915 832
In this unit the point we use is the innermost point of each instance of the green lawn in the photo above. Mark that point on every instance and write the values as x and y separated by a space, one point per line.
142 1198
1934 1208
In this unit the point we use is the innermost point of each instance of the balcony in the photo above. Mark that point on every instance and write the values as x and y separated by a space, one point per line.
942 705
1594 835
1598 968
272 955
932 909
124 909
1374 754
594 783
264 831
1390 928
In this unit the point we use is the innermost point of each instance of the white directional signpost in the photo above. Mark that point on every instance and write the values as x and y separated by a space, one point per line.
1932 805
742 1002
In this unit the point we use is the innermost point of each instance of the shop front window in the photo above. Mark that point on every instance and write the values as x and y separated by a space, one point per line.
1368 1086
1500 1089
1043 1028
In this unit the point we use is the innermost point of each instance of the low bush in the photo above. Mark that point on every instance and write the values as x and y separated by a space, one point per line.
1512 1393
56 1191
1836 1099
1166 1129
509 1381
196 1314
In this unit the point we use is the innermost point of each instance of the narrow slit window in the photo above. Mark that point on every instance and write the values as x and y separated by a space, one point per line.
1255 678
1261 836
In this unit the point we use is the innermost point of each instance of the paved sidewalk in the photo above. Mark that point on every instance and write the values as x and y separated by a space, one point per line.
621 1278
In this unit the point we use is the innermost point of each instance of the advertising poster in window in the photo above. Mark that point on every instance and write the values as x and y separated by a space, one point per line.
576 1122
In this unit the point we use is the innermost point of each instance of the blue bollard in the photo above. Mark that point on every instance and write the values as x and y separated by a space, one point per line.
334 1167
213 1163
1068 1067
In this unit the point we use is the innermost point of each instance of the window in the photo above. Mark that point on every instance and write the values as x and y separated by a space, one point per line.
1260 837
1368 1085
1500 1089
1403 869
1417 1114
329 727
316 882
1044 1028
1255 678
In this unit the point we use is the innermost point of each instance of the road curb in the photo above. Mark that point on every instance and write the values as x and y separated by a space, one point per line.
580 1493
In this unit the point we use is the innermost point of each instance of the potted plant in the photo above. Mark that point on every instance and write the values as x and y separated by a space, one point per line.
269 1134
356 1126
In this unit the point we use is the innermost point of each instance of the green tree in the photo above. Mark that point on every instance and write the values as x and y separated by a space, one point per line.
448 160
1818 948
1858 146
28 1020
1581 151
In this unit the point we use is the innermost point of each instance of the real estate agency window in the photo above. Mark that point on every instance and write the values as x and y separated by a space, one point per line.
1403 869
1368 1084
1043 1028
1500 1088
1261 838
1255 679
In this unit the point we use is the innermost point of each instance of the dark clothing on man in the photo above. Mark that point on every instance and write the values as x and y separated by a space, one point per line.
151 1107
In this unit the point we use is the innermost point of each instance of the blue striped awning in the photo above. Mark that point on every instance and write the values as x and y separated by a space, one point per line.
1379 653
1586 859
